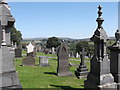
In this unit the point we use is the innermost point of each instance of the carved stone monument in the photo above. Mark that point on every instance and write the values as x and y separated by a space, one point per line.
82 70
8 74
99 76
63 60
29 60
115 59
43 61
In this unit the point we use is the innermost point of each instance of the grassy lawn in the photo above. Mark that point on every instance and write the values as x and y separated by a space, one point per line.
45 77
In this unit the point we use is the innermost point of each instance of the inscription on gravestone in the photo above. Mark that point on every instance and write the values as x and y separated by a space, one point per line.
63 60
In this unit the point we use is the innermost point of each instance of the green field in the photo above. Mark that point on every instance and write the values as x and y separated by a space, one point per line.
45 77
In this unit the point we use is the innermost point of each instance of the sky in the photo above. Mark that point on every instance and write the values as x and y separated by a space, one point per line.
63 19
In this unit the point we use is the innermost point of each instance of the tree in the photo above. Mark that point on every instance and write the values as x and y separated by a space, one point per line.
80 45
16 36
88 47
53 42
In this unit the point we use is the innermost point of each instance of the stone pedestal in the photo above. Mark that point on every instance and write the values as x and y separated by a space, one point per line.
8 75
43 61
63 61
115 59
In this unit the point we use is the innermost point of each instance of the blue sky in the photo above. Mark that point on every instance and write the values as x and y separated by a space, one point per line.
63 19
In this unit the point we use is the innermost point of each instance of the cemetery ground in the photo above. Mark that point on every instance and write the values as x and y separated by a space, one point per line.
46 77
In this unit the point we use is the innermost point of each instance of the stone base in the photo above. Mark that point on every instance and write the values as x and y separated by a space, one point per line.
44 65
9 80
80 75
81 72
101 82
65 74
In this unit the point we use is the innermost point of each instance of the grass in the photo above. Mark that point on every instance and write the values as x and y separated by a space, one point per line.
45 77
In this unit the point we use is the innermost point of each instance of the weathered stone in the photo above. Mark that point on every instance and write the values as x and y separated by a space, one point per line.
63 61
99 76
43 61
8 74
115 59
28 61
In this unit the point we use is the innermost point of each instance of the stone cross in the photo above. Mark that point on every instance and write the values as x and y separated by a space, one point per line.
99 76
82 70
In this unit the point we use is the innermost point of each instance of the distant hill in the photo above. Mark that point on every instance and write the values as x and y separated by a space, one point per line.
63 38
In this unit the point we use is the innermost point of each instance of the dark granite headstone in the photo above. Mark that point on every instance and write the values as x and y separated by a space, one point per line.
18 52
82 70
28 61
99 76
43 61
63 61
115 59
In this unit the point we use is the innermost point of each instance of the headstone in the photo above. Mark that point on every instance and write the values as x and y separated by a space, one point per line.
99 76
82 70
43 61
18 52
63 61
115 59
29 60
53 50
8 75
77 55
30 49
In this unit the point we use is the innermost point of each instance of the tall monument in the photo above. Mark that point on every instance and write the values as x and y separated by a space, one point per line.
115 59
99 76
8 74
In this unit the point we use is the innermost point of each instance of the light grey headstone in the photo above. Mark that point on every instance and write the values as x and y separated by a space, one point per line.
43 61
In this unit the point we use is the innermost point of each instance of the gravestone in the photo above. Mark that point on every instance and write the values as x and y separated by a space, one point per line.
115 59
43 61
63 60
8 75
30 49
18 52
53 50
99 76
77 55
29 60
82 70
